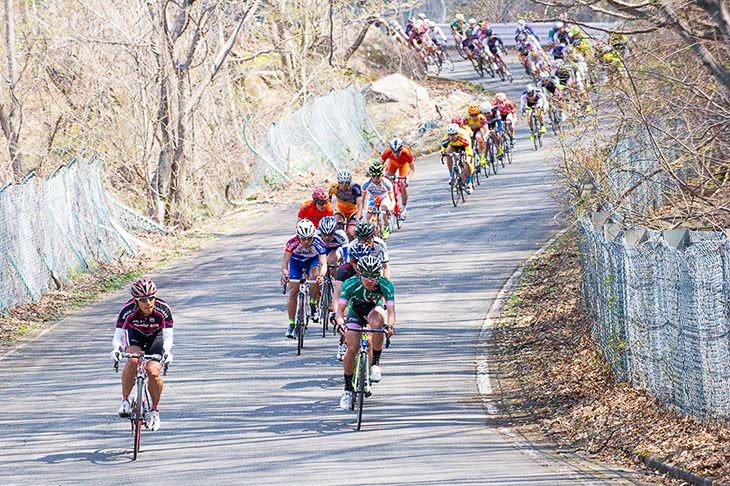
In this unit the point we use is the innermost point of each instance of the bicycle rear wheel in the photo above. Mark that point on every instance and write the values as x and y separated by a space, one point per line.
361 386
453 188
137 418
324 305
299 328
475 172
447 60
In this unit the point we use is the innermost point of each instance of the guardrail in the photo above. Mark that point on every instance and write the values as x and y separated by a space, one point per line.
507 31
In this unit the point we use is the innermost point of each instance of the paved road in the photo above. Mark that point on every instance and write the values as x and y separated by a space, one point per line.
240 407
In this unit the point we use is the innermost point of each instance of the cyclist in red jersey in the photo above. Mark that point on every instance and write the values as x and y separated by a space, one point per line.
316 208
508 113
399 158
144 325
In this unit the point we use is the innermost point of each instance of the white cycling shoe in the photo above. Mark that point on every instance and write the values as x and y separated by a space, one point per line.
125 409
346 400
375 374
153 420
341 350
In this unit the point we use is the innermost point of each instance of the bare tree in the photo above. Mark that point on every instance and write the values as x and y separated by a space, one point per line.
11 113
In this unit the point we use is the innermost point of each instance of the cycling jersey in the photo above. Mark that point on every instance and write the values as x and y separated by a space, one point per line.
310 212
131 317
492 44
373 190
378 249
506 108
361 300
346 200
463 141
550 85
475 122
527 30
301 253
563 76
458 27
405 157
538 100
493 118
338 239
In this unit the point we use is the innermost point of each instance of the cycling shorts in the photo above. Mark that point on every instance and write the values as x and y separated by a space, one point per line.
344 272
347 211
359 315
386 203
392 168
297 267
436 41
149 343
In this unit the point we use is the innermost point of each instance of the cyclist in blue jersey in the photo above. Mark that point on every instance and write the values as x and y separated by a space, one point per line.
305 254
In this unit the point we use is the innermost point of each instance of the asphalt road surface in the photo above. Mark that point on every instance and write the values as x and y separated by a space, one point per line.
239 407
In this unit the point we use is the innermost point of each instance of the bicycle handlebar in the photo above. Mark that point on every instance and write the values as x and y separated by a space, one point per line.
367 329
301 281
144 357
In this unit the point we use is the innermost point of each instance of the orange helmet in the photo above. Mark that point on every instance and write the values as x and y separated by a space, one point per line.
474 109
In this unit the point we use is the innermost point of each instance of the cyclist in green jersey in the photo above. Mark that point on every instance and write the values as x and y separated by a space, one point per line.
364 297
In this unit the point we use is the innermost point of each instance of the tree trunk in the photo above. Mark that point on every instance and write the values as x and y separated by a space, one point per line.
358 40
11 117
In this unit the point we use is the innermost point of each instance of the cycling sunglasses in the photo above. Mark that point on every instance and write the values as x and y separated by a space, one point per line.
144 300
370 276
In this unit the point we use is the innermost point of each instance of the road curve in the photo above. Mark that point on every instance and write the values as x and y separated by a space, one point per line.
240 407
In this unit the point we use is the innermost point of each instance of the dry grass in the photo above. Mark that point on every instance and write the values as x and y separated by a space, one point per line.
554 377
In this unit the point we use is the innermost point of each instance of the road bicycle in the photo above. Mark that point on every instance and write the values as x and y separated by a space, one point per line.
303 312
361 376
535 134
502 70
506 148
325 301
459 47
457 183
396 216
141 401
444 59
375 216
491 154
476 159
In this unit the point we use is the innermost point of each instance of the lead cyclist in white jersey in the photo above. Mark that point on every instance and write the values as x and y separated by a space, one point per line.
379 187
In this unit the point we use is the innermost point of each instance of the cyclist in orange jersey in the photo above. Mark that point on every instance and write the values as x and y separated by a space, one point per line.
399 158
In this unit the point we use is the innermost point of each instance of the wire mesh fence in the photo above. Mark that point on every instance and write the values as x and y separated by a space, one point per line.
326 134
51 228
661 314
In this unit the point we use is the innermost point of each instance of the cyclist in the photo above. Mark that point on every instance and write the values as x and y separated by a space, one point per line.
365 233
457 139
534 99
348 197
558 34
378 187
316 208
523 27
350 255
333 238
364 298
399 158
437 35
306 254
477 122
144 326
562 73
507 112
494 125
471 39
492 41
458 26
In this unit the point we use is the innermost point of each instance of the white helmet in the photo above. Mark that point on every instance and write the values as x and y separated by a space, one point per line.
452 129
544 75
305 229
344 176
460 17
396 144
521 24
421 15
431 24
472 21
531 89
558 25
485 108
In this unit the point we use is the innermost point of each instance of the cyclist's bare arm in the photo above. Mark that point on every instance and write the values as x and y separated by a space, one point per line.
359 204
391 316
322 268
386 270
411 171
285 265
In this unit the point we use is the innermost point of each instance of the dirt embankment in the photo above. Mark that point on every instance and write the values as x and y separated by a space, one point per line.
554 381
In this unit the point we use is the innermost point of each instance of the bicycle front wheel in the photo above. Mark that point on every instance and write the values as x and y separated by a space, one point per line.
453 188
324 305
137 419
361 386
299 328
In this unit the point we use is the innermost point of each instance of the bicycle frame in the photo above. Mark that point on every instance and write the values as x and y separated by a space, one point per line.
360 377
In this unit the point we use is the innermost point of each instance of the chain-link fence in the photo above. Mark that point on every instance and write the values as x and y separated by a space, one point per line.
51 228
326 134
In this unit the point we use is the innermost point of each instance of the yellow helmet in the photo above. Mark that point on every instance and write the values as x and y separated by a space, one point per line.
474 109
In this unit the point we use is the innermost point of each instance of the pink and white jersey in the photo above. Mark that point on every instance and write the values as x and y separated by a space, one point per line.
373 190
299 252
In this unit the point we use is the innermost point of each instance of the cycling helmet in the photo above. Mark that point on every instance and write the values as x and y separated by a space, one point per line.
364 230
327 225
531 89
460 17
319 194
544 76
396 144
501 97
370 264
143 288
422 16
521 24
458 120
489 32
430 24
452 129
305 229
411 20
474 109
376 169
558 25
358 250
344 176
472 21
485 108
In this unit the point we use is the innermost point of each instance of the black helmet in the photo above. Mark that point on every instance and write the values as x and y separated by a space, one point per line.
364 230
369 264
488 32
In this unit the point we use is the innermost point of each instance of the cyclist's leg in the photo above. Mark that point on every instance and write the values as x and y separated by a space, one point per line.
340 218
136 341
376 320
449 159
350 228
313 269
332 262
352 340
403 172
154 382
295 273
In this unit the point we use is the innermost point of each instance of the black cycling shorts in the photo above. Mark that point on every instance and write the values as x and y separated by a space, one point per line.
150 343
344 272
